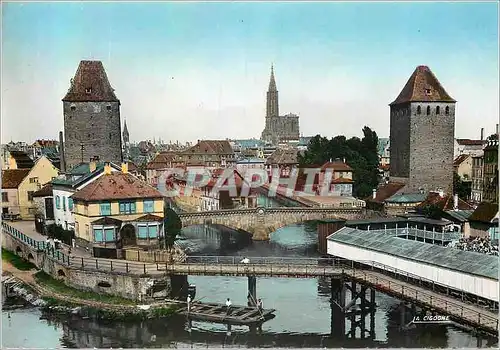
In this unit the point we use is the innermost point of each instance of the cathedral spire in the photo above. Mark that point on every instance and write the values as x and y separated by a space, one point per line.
272 81
126 136
272 97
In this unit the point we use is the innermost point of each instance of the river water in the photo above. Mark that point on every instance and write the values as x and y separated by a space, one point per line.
302 318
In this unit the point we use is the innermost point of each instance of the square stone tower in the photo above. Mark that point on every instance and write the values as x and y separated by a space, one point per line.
422 135
92 126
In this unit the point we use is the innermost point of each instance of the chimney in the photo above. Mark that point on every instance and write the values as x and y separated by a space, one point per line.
92 165
125 167
441 193
455 202
482 134
374 193
497 129
62 156
107 168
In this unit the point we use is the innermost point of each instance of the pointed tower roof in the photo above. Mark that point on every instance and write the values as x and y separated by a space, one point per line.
90 84
272 82
423 86
125 130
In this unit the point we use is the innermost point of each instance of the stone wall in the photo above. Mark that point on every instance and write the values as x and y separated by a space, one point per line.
261 222
97 127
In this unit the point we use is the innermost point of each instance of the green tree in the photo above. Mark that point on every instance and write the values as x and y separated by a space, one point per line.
432 211
360 154
460 187
172 226
57 232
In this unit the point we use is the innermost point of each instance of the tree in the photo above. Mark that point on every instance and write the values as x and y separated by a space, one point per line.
172 226
462 188
360 154
432 211
57 232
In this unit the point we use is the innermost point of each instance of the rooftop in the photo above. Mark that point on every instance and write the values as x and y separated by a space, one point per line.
115 186
23 161
406 198
211 147
485 212
283 156
464 261
423 86
12 178
385 191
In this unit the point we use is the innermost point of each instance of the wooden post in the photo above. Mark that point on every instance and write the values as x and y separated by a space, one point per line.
337 303
252 291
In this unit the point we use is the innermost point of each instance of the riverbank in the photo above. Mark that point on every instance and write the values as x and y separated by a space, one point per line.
53 296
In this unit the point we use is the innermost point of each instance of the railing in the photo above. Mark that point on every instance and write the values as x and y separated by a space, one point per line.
271 210
38 245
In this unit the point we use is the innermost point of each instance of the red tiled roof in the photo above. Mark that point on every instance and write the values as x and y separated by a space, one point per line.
210 147
283 157
217 174
12 178
444 203
46 143
336 166
116 186
385 191
485 212
90 75
45 191
469 142
460 159
161 161
415 89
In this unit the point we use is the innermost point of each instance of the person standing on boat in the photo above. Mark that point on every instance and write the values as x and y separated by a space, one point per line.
245 260
259 304
228 305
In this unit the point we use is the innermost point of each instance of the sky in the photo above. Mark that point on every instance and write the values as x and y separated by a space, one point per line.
190 71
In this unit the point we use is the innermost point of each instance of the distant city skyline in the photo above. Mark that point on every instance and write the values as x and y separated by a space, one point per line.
201 70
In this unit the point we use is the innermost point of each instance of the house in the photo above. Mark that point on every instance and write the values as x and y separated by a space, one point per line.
42 172
462 165
384 172
468 146
477 178
11 179
284 159
44 203
402 203
490 182
161 163
341 183
64 186
210 154
117 211
377 200
484 221
384 151
223 199
189 200
250 163
20 160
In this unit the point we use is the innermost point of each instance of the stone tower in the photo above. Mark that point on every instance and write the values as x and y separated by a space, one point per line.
422 135
272 109
91 117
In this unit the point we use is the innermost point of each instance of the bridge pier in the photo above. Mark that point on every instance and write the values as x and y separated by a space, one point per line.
341 310
252 291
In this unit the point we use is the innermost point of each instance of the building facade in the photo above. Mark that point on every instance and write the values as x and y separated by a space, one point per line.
490 183
278 128
477 178
422 127
92 127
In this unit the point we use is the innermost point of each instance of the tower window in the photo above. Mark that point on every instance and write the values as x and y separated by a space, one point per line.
428 91
88 90
428 110
447 110
73 108
437 110
419 109
108 107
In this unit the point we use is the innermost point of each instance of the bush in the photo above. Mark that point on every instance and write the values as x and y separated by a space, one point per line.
57 232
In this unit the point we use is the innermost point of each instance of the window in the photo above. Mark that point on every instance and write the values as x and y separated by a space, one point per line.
5 197
153 231
105 208
30 195
33 180
142 231
447 110
149 206
428 110
437 110
58 202
109 234
419 109
70 204
127 207
428 91
88 90
73 108
108 107
98 235
64 203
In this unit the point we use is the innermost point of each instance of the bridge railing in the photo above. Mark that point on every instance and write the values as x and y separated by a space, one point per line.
252 260
38 245
382 283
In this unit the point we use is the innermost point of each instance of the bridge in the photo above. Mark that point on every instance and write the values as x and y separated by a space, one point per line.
376 276
261 222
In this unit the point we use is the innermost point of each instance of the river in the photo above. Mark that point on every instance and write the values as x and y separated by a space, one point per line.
302 318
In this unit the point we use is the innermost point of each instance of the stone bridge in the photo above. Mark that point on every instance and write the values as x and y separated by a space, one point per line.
261 222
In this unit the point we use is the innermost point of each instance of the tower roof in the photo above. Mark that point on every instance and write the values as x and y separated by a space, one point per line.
90 84
272 81
125 129
423 86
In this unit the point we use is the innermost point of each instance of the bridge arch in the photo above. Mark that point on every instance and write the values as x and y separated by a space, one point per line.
61 273
31 258
19 251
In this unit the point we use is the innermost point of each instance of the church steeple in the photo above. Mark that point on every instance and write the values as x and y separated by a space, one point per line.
272 97
126 136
